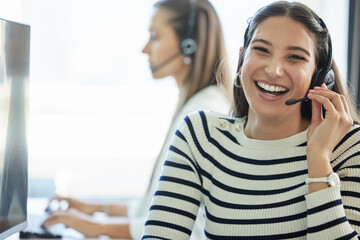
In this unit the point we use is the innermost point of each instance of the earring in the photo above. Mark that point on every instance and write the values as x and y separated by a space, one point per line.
236 80
187 60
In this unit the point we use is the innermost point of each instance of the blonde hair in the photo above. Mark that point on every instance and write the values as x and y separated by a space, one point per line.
209 63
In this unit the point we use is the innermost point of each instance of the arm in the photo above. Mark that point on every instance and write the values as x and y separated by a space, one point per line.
326 214
119 209
335 212
178 195
325 133
87 225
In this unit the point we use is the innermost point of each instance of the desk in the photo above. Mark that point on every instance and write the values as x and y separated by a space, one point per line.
37 206
16 237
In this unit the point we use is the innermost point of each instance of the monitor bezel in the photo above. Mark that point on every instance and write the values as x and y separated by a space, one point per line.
22 225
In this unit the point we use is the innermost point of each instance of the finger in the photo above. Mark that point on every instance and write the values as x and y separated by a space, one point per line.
345 104
55 218
326 102
316 109
334 97
51 220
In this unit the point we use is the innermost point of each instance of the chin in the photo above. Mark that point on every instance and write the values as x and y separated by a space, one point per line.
267 111
157 76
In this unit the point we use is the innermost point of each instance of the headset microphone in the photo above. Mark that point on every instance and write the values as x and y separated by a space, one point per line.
293 101
164 63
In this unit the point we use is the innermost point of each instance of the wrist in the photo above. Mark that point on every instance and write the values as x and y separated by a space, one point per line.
332 180
316 184
92 208
318 165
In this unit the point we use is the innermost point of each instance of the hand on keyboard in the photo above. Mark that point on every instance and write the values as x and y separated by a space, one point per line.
28 234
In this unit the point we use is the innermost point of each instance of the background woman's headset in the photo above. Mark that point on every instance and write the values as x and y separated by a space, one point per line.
188 44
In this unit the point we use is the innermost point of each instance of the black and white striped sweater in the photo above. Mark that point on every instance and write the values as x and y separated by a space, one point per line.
251 189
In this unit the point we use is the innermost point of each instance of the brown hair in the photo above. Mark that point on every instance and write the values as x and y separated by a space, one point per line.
209 63
302 13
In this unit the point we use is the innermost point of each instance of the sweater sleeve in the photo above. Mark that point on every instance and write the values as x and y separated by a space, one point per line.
178 195
334 213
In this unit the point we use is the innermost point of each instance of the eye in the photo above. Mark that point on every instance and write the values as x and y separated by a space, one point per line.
153 37
296 57
261 49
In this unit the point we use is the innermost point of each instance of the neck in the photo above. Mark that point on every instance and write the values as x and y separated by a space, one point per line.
263 128
181 76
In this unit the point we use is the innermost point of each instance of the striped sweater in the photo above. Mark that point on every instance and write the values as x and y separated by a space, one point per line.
251 189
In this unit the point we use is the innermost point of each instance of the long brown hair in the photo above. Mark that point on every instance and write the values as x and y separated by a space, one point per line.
209 63
302 13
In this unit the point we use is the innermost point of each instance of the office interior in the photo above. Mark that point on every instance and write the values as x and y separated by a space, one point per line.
92 96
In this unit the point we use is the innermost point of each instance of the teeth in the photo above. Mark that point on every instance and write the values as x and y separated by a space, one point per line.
271 88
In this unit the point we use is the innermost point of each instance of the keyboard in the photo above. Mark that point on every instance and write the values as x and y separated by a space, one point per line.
45 234
34 229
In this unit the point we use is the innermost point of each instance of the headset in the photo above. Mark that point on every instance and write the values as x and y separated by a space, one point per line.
187 44
323 75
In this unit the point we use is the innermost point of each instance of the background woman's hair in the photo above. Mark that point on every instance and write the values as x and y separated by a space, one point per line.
302 13
209 64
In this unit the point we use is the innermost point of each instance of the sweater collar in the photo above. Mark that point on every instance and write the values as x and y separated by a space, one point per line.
285 143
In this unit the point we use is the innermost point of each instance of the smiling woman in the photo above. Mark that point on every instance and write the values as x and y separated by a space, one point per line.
292 166
277 58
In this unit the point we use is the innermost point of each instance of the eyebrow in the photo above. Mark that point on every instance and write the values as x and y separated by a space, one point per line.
290 48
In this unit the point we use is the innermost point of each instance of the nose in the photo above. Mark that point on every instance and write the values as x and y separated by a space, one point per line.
275 68
146 48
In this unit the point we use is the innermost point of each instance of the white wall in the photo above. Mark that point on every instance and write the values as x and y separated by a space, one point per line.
96 122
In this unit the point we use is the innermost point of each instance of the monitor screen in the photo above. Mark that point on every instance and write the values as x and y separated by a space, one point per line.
14 81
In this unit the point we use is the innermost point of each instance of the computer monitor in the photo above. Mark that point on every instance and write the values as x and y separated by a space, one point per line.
14 85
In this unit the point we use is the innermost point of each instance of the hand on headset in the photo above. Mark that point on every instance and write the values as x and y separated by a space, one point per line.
326 132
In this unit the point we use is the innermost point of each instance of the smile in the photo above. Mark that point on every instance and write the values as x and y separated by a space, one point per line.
271 89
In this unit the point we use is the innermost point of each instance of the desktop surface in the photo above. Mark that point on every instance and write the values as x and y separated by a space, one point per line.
36 206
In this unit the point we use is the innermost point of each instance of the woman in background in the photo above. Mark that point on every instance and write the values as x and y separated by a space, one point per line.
276 169
186 42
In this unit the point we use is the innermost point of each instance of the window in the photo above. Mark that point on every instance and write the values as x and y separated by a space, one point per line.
96 122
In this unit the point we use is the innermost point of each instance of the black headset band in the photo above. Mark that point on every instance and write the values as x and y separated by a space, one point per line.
188 44
329 54
191 20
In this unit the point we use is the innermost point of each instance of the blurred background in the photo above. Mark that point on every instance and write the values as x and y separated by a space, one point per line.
96 123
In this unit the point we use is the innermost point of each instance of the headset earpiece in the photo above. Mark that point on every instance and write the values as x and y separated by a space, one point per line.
325 75
188 44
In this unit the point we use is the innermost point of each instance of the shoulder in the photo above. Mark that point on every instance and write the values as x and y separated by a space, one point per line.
351 138
210 98
206 120
346 153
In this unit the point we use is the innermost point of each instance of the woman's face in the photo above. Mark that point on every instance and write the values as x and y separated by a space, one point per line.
162 46
278 65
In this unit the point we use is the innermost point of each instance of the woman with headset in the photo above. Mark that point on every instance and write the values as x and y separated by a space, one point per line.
277 168
186 42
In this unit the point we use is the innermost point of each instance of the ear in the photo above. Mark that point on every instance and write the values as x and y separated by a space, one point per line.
240 50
